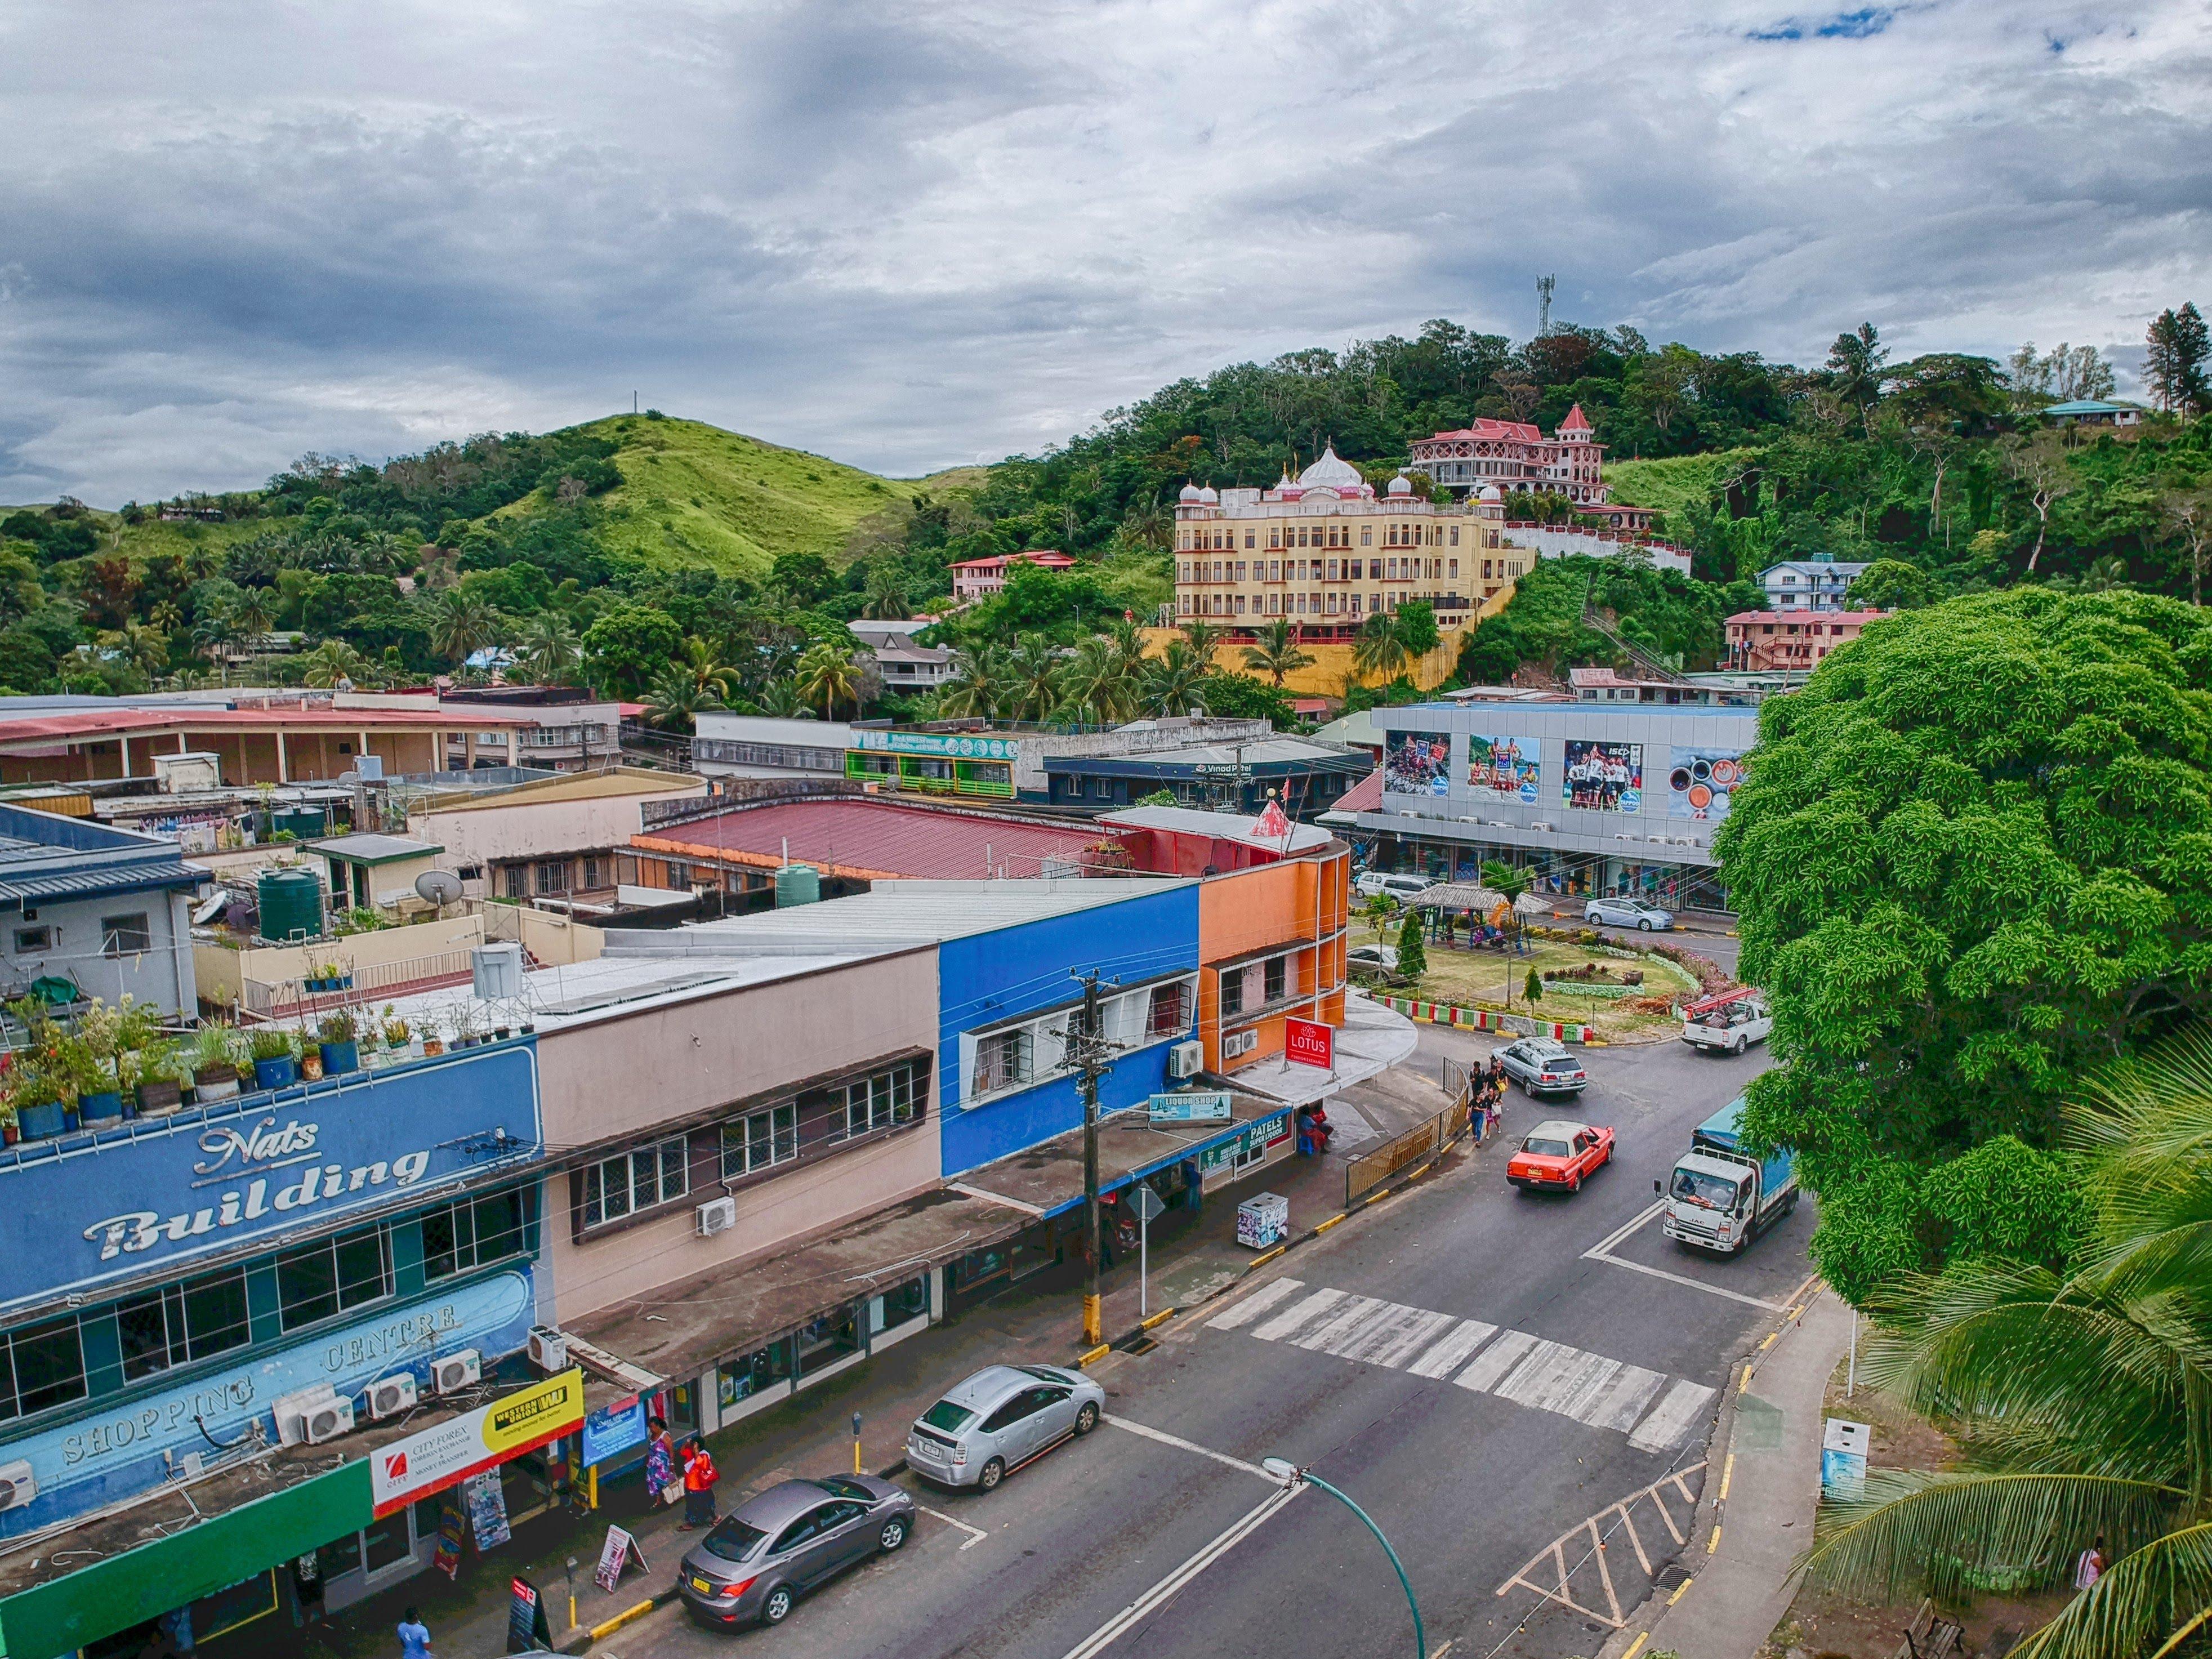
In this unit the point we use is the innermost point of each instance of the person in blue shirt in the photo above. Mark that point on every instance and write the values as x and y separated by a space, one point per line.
413 1637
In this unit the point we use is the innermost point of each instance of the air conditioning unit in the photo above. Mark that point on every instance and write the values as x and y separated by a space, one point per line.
548 1349
18 1485
292 1410
1186 1060
456 1371
329 1420
717 1215
391 1395
1239 1043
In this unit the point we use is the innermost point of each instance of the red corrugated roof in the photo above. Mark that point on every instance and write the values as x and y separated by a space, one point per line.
1484 426
1575 421
880 838
1364 796
98 724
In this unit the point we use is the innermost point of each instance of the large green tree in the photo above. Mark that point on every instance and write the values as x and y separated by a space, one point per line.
1973 858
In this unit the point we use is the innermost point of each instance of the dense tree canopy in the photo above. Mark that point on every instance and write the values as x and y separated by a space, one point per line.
1973 858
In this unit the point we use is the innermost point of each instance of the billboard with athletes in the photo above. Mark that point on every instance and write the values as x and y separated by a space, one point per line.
1603 777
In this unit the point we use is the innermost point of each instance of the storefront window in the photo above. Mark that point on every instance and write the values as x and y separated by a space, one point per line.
755 1372
329 1276
829 1339
899 1304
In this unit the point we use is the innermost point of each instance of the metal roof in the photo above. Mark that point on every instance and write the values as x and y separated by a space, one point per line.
867 836
1219 826
370 848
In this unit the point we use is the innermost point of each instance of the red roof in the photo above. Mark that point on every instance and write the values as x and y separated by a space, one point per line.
1044 557
876 839
1801 617
98 725
1484 426
1575 420
1364 796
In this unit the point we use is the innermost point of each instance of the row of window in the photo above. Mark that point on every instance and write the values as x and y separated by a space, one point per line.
196 1318
643 1178
1297 570
1015 1056
1332 535
127 935
1237 985
1307 605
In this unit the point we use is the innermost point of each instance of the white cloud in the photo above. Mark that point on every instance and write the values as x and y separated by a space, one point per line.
910 236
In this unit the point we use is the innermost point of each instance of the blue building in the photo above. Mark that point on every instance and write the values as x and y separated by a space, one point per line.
103 910
215 1303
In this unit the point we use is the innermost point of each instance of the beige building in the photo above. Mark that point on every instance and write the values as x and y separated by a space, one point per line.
562 838
1326 552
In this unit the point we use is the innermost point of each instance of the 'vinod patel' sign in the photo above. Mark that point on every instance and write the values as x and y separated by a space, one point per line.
183 1186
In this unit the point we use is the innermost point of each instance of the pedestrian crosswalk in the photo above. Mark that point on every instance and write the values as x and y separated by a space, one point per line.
1655 1411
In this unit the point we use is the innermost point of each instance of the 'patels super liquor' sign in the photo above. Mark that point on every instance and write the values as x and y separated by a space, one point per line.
179 1186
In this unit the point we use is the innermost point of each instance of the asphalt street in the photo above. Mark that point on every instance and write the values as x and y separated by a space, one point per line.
1481 1370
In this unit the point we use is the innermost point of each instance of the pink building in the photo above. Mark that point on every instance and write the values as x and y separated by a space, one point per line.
1765 640
972 578
1516 456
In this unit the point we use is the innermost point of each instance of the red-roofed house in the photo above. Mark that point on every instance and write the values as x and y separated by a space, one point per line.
1517 456
973 579
1764 641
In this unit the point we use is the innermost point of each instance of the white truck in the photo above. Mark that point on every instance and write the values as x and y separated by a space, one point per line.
1719 1197
1727 1024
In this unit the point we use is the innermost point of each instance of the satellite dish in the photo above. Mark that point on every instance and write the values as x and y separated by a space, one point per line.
216 905
438 887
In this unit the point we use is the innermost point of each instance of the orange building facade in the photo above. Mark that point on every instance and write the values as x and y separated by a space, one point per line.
1271 943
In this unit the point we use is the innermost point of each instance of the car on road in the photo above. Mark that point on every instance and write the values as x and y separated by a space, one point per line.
1627 913
1727 1024
1379 884
998 1419
1541 1067
1372 961
754 1563
1561 1154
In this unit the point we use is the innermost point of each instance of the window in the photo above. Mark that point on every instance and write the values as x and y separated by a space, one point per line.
33 941
518 882
182 1322
1455 563
473 1235
636 1180
1454 542
591 874
553 876
1002 1059
879 1102
1367 535
1249 539
125 936
1233 992
331 1275
1275 977
759 1140
39 1367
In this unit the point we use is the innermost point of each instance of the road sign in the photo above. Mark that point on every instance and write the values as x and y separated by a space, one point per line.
1191 1106
1146 1202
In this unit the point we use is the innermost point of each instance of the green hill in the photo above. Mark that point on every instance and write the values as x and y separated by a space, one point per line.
692 494
1676 482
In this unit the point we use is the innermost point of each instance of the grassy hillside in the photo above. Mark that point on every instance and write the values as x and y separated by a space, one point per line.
692 494
1674 482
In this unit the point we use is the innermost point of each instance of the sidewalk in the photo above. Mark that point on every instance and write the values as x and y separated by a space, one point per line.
1755 1520
1192 1258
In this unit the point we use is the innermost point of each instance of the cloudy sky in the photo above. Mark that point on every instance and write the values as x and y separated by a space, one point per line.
232 231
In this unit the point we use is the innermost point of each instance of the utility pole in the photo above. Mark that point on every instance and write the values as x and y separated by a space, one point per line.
1089 1053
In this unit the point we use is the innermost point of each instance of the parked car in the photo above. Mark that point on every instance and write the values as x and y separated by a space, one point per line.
1372 961
1559 1153
1727 1024
1377 884
756 1562
1541 1067
998 1419
1627 913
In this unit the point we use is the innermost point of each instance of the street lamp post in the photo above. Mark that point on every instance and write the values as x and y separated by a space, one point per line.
1291 1474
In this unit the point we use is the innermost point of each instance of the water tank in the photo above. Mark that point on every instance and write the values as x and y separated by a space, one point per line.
306 822
796 884
291 905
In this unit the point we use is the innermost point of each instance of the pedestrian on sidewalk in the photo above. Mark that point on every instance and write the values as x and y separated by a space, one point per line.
700 1476
2091 1565
413 1637
661 1485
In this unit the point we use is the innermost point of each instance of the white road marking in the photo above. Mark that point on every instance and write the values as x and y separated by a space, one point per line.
1492 1364
1622 1400
1671 1418
1602 1251
1554 1377
1284 1323
1347 1317
1395 1340
1180 1445
976 1535
1471 1335
1122 1622
1255 1304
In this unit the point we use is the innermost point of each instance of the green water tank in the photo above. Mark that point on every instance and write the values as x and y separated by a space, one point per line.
796 884
306 822
291 905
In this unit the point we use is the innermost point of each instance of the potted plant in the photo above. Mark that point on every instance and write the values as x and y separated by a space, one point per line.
340 1052
399 1039
273 1066
215 1059
151 1072
88 1056
34 1089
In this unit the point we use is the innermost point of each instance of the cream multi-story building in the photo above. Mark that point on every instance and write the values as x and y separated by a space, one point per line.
1326 552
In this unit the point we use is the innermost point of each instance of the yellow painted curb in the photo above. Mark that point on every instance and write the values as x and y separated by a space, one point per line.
1261 1260
1714 1542
1680 1591
1637 1646
1098 1352
1157 1318
1728 1474
621 1619
1332 1221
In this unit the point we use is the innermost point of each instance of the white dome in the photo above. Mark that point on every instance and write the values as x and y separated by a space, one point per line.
1401 485
1190 492
1210 496
1331 473
1491 493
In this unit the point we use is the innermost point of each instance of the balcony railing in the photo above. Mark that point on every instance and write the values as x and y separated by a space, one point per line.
283 998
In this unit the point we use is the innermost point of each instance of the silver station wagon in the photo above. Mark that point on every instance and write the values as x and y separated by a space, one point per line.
998 1420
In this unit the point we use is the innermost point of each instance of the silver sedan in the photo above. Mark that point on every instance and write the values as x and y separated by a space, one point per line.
998 1419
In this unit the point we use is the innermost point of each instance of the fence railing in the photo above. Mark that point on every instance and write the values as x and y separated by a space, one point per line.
273 998
1416 1146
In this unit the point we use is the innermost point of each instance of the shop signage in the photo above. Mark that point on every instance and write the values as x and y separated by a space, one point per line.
949 745
1249 1146
183 1186
618 1552
449 1452
613 1430
1310 1042
1191 1106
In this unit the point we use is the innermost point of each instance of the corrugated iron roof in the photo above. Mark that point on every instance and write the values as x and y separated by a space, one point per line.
864 837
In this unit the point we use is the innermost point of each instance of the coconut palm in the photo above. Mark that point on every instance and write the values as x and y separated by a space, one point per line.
2083 1398
1176 681
707 670
978 684
828 675
886 591
1378 652
253 614
1277 652
676 695
1203 638
1509 882
333 661
1033 679
783 699
549 649
460 624
1096 685
213 637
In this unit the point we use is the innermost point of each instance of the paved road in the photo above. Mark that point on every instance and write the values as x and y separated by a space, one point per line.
1455 1359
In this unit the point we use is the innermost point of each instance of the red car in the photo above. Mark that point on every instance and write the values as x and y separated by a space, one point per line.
1561 1154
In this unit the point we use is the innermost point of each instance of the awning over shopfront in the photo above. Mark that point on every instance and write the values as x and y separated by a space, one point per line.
1046 1179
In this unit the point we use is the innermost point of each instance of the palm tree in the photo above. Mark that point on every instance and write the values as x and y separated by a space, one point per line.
676 695
1033 674
827 676
1509 882
886 591
783 699
253 614
706 672
213 637
460 623
978 684
335 660
2083 1398
1378 650
1278 653
1176 682
550 648
1096 685
1203 639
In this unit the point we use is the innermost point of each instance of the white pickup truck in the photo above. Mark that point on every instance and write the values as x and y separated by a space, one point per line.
1729 1022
